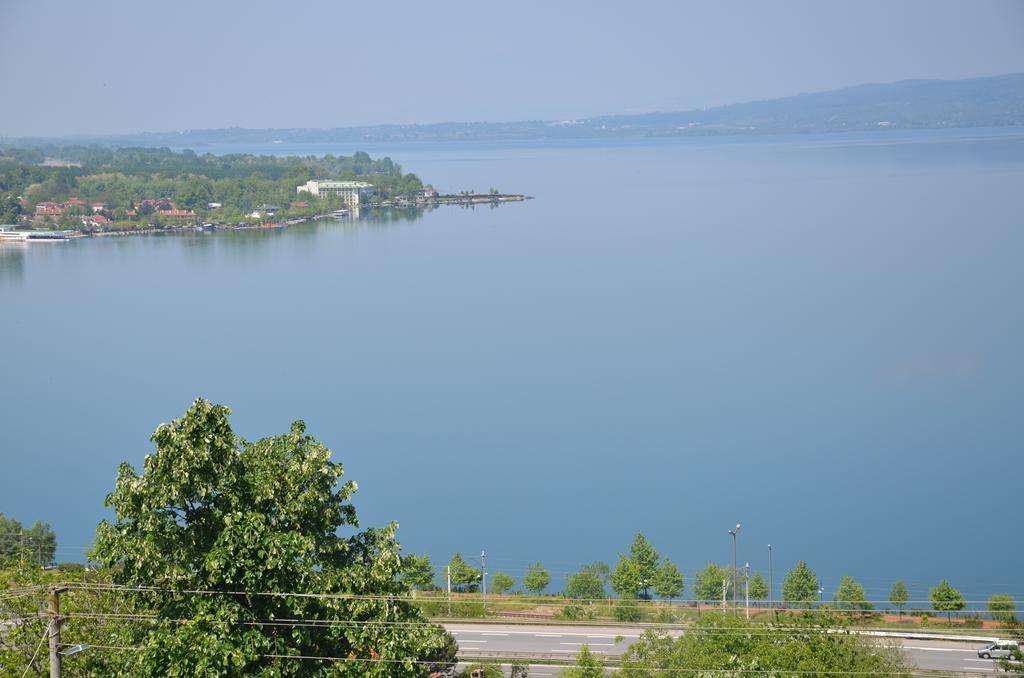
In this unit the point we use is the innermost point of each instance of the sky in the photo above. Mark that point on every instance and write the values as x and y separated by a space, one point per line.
113 66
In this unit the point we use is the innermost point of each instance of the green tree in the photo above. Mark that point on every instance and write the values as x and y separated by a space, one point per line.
417 571
37 544
668 580
94 613
10 210
1002 606
635 574
800 587
501 582
626 578
584 585
599 570
718 643
537 579
490 669
758 587
587 665
708 586
899 596
850 596
464 576
212 512
945 598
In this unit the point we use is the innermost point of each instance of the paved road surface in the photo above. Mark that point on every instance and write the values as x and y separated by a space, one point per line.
557 641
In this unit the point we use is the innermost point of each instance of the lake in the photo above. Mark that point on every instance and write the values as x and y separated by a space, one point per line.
818 337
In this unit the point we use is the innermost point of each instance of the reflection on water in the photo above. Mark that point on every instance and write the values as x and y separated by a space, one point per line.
12 261
200 246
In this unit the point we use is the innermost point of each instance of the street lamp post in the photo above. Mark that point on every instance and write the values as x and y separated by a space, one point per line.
734 533
746 589
771 582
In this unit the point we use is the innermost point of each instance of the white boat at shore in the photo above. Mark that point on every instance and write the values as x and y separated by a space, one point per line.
35 236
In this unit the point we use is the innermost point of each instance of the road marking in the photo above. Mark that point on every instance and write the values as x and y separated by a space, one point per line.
494 634
935 649
594 644
475 641
547 635
987 661
966 669
600 636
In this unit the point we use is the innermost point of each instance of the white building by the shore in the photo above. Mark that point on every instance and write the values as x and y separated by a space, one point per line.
352 193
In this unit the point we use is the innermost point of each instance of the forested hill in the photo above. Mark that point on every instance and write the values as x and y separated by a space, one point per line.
909 104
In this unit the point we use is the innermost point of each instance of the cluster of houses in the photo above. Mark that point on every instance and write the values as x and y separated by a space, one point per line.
97 214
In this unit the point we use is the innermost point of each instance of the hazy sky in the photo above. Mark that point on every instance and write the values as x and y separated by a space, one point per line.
128 66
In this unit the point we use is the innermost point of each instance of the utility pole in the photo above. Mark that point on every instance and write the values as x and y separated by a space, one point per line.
483 578
449 570
746 586
735 608
725 589
483 574
53 631
771 582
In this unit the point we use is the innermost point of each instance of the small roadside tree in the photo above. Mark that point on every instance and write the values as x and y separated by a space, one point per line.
669 582
584 585
758 587
587 665
465 577
501 582
1002 606
945 598
899 596
800 587
850 596
537 579
37 544
708 585
599 570
626 578
635 574
417 571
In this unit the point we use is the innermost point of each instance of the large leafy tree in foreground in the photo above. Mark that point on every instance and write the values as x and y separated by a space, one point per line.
250 558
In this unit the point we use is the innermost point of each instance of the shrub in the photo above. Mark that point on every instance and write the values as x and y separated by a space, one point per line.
666 616
628 612
577 612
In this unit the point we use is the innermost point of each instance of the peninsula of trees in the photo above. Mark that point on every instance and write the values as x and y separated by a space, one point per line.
96 189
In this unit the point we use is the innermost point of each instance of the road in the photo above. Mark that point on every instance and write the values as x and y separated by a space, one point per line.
564 641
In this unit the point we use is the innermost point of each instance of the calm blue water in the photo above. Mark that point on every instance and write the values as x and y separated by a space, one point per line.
818 337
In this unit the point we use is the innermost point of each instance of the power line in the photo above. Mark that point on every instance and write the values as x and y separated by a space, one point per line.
518 600
499 655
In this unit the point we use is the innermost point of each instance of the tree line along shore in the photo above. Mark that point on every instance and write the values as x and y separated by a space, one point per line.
94 190
224 556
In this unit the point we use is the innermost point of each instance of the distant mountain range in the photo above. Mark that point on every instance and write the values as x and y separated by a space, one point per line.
908 104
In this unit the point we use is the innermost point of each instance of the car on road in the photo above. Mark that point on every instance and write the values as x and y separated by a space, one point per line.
1001 649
